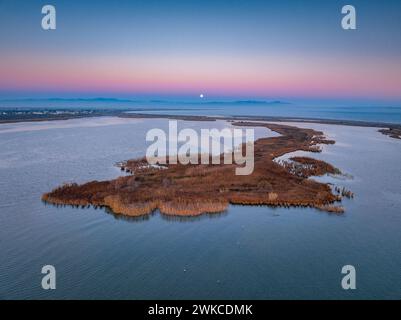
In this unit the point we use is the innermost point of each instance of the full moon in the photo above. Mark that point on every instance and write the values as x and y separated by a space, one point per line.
201 96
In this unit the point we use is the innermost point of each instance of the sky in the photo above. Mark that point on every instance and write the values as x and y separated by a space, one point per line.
279 49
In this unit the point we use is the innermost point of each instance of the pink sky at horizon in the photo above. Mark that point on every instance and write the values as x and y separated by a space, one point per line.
258 76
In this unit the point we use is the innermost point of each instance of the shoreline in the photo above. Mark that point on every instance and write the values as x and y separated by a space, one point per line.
355 123
392 130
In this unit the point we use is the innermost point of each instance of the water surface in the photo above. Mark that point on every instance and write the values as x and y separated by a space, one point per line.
244 253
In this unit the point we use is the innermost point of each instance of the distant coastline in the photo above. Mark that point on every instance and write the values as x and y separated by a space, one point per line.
393 130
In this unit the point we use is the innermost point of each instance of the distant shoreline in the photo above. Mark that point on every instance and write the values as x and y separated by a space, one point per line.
391 129
200 188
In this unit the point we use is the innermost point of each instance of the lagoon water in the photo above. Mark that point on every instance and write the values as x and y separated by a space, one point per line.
243 253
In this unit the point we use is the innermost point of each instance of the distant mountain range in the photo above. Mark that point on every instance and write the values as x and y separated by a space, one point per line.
116 100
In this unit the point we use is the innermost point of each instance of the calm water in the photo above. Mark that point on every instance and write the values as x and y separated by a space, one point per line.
244 253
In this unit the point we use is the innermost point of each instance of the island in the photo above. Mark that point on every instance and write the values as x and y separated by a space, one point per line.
189 190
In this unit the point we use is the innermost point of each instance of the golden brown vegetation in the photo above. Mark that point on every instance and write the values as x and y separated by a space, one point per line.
392 132
195 189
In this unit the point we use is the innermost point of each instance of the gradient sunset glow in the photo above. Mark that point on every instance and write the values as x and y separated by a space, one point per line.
223 48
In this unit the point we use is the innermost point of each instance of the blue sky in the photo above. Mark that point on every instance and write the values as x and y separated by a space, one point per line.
293 49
